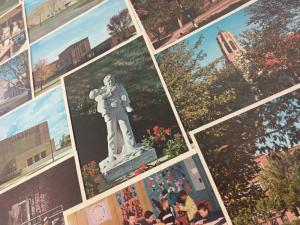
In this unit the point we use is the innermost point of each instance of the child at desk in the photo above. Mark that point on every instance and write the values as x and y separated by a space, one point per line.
204 216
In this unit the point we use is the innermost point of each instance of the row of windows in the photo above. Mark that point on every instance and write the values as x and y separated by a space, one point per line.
36 158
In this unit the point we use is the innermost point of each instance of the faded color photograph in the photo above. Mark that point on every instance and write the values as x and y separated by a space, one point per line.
12 34
33 136
5 5
168 21
243 58
105 26
43 16
254 160
42 199
178 195
122 121
14 83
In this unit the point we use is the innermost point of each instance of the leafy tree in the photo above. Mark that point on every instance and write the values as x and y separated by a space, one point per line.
41 72
155 18
217 88
297 222
266 209
245 216
184 8
119 24
230 149
159 16
282 14
282 179
65 141
272 45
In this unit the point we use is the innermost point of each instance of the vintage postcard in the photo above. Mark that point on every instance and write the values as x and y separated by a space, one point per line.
72 45
12 33
179 194
122 121
254 160
168 21
33 136
43 16
15 86
42 199
233 63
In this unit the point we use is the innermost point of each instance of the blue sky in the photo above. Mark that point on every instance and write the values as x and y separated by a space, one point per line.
49 107
91 25
12 63
235 23
283 123
32 4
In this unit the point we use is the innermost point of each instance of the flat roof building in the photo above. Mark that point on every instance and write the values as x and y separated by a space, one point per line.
24 150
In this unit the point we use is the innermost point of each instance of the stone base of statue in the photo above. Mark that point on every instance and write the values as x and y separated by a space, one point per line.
126 163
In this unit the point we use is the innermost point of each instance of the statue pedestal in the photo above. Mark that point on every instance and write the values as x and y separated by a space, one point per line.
127 163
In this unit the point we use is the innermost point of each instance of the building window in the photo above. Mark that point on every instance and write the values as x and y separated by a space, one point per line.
36 158
232 45
227 47
43 154
29 162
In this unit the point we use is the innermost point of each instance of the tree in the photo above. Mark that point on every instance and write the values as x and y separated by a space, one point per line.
155 16
52 6
266 209
41 72
65 141
272 51
158 15
244 217
16 69
182 9
119 24
216 88
282 179
230 150
282 14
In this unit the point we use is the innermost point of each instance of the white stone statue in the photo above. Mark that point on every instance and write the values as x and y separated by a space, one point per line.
113 103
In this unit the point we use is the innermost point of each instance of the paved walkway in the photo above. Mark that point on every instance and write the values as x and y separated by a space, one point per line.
187 28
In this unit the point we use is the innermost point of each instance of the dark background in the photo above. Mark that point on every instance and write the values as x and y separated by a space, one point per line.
59 184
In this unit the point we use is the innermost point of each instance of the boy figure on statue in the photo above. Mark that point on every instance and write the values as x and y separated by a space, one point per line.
113 103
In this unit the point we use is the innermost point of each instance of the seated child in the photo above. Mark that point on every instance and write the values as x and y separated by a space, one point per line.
166 216
150 219
186 204
204 216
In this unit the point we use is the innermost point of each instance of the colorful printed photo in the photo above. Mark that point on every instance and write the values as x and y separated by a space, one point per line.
233 63
12 34
168 21
42 199
179 194
14 83
254 160
105 26
122 121
43 16
6 5
33 136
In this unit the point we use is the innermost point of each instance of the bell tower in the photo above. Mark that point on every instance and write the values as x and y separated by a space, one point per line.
230 47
